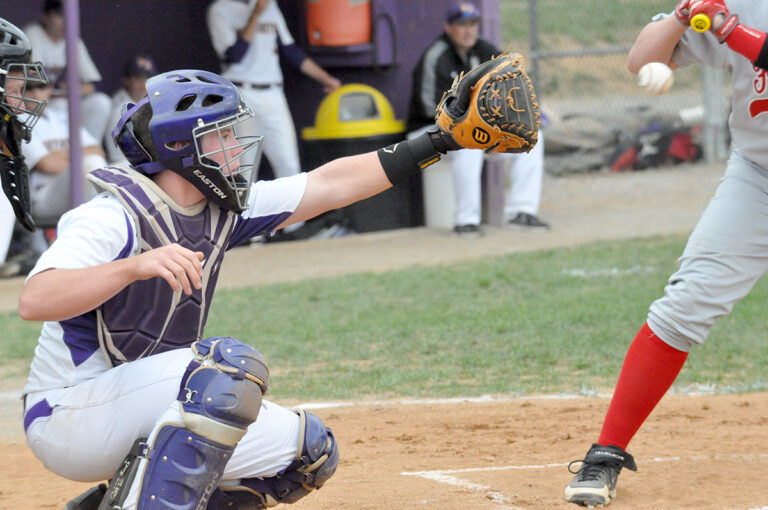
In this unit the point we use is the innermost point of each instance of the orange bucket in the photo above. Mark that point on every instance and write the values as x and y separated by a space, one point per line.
338 22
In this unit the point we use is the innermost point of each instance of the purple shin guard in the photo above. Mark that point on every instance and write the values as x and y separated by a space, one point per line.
183 471
317 459
220 397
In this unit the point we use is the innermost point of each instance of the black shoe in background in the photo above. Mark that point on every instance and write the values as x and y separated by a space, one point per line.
525 221
469 231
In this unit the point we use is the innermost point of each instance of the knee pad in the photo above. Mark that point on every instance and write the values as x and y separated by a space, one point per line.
222 389
220 396
316 461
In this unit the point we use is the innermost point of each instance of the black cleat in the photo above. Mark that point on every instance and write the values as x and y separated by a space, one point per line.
595 482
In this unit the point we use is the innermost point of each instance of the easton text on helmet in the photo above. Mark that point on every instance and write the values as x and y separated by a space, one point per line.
210 184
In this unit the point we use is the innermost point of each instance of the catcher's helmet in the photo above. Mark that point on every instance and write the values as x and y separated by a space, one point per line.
17 73
14 45
185 106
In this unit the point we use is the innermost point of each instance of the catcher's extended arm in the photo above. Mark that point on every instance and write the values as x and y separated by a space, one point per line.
493 107
14 173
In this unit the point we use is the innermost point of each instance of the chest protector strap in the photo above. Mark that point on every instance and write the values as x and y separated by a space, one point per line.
147 316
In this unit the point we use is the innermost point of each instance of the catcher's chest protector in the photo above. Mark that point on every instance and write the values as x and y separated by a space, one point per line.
148 317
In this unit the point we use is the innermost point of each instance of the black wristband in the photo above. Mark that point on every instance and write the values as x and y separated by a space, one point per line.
762 58
403 159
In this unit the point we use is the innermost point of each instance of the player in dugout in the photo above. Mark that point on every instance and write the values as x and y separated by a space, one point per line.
123 384
725 254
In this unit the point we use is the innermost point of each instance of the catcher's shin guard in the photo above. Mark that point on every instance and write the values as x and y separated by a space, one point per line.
220 397
88 500
316 461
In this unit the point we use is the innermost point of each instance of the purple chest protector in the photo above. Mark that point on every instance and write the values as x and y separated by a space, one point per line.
148 317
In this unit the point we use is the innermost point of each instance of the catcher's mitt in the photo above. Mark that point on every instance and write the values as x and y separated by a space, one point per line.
492 107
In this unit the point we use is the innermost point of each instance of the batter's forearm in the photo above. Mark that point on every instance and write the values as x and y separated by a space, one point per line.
751 43
656 43
59 294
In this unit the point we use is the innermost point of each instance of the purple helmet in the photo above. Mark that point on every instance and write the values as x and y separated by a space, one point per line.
186 105
17 74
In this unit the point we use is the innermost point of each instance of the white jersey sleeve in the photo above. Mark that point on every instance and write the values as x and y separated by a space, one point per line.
270 204
88 70
222 31
282 28
97 232
696 48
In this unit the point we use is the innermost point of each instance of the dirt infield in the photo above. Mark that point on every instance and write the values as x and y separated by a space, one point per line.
699 452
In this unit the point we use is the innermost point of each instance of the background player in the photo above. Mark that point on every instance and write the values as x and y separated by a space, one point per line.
125 290
725 254
49 47
137 69
457 50
249 36
18 114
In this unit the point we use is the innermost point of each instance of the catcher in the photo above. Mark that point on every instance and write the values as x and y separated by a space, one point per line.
18 114
123 379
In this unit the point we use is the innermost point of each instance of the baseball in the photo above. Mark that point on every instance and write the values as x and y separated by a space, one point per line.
655 78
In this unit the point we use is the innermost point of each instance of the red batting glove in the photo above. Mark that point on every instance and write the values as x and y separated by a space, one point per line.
712 9
683 12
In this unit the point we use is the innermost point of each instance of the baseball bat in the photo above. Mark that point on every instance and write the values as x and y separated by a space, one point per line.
701 22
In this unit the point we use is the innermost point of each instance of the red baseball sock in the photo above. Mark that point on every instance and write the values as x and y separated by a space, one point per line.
649 369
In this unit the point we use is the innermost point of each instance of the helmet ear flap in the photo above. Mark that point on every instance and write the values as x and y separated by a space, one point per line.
125 138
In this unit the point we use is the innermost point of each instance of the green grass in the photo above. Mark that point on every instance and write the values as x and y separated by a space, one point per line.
584 22
524 323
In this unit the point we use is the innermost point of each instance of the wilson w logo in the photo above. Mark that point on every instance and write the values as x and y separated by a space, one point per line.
480 135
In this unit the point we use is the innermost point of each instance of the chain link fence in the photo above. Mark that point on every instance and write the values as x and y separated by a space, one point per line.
577 53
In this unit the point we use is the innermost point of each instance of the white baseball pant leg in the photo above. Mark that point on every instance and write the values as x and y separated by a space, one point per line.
94 424
272 119
526 171
467 172
725 256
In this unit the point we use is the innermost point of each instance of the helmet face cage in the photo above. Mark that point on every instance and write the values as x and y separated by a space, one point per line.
239 176
17 99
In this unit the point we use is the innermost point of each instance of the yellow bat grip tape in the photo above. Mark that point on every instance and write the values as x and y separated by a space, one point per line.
701 23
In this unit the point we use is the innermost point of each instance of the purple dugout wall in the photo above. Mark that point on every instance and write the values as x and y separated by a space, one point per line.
174 33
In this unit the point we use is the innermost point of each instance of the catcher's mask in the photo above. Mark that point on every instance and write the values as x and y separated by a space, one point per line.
17 75
185 106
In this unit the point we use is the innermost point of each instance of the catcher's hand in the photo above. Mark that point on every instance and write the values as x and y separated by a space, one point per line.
493 107
14 173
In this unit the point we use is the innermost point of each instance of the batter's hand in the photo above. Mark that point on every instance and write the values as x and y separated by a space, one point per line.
175 264
723 22
683 12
